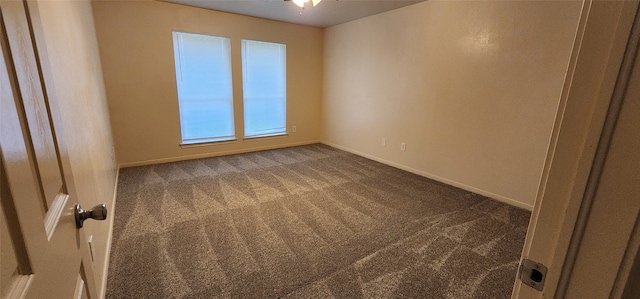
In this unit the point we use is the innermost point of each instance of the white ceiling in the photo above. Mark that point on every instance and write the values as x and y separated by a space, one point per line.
327 13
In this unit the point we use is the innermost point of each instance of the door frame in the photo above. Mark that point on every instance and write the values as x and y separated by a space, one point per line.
578 141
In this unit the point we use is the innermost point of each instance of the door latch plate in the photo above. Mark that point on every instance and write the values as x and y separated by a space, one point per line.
532 273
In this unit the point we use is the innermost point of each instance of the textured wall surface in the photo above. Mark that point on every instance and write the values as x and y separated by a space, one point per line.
472 88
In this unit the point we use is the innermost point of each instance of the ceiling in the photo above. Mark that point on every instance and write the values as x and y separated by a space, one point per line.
327 13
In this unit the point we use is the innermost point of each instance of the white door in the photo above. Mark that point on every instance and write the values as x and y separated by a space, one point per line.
44 255
556 238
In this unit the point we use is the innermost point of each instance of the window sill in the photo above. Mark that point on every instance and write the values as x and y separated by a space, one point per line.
258 138
207 143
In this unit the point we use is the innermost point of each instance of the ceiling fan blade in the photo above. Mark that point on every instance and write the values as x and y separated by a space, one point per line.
315 2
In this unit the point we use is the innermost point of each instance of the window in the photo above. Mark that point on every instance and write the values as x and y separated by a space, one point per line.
205 94
264 88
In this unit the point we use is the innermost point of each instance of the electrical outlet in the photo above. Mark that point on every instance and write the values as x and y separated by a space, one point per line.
384 141
294 129
403 146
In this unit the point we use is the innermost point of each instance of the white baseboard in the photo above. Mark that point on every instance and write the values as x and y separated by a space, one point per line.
497 197
213 154
112 209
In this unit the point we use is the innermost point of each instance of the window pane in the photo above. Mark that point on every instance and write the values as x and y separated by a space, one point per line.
205 95
264 75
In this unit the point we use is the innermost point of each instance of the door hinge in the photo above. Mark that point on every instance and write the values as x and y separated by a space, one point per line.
532 273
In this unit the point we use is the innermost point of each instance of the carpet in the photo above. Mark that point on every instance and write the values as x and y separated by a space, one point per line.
306 222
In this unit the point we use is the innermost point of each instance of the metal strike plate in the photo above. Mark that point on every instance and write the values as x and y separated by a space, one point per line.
533 274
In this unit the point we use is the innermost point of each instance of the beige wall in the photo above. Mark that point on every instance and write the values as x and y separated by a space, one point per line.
74 66
136 49
471 88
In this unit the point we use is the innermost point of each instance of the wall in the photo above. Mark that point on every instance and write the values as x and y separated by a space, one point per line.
136 49
75 69
472 88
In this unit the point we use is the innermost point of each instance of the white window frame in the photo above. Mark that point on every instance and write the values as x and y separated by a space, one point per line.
279 131
178 59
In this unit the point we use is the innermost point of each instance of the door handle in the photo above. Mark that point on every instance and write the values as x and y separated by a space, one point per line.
98 212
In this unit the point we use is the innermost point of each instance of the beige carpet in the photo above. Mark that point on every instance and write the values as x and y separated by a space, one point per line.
306 222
